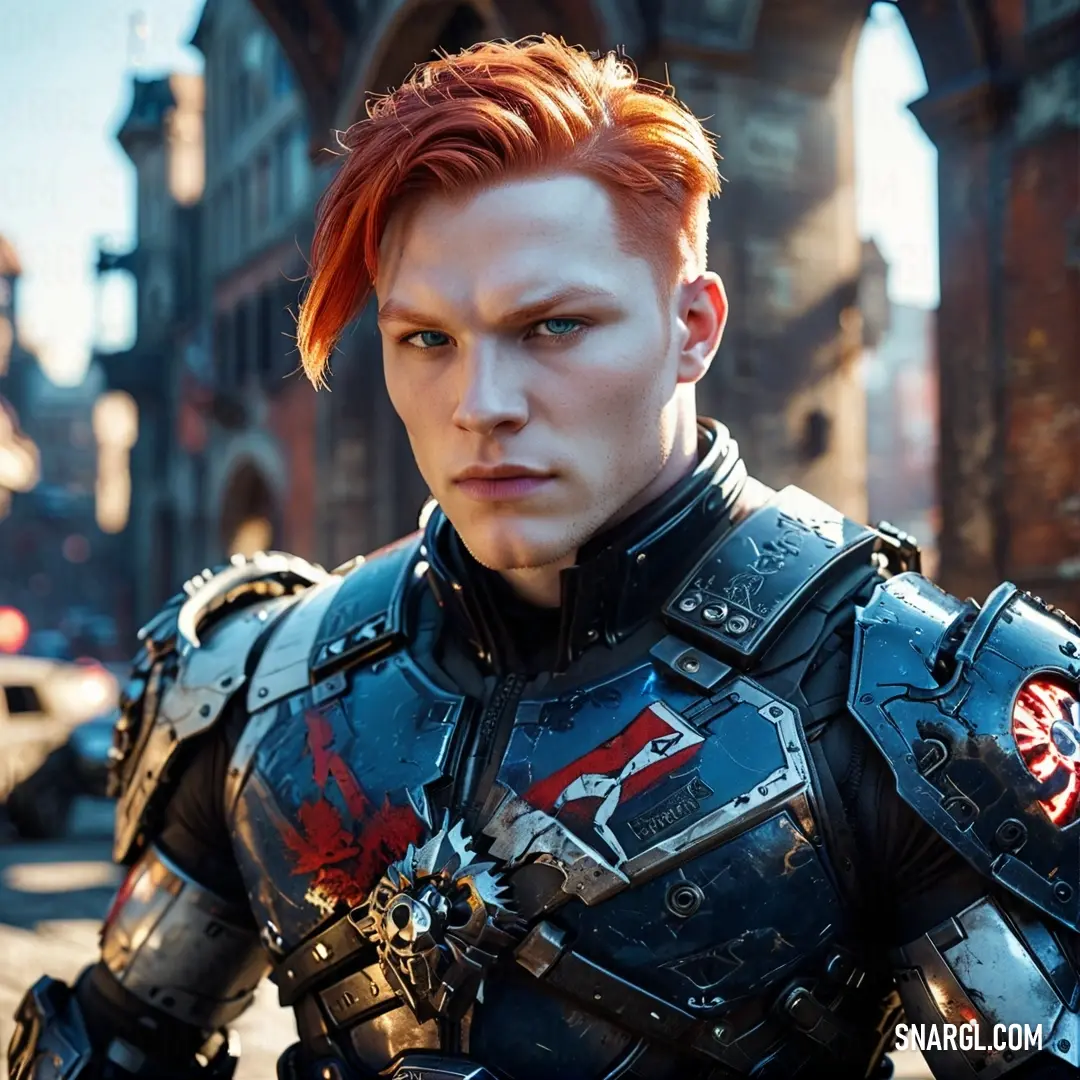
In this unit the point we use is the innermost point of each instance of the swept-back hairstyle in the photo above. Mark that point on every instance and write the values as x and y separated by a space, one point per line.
492 112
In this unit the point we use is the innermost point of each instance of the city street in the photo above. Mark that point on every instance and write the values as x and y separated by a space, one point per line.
52 897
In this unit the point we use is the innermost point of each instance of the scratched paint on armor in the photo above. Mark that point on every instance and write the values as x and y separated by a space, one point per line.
333 800
765 904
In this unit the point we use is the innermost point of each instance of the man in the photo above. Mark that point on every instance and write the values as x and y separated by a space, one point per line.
624 766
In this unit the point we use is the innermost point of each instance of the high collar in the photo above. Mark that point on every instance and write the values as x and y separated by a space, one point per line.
623 575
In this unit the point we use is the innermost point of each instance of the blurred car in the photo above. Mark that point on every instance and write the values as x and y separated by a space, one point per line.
42 702
40 805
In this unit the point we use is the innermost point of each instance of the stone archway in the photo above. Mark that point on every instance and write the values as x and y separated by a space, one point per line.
249 520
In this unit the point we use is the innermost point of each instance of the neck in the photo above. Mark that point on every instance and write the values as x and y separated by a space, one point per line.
619 580
542 585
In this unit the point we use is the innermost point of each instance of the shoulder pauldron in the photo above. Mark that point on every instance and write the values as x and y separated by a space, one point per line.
749 587
193 657
977 713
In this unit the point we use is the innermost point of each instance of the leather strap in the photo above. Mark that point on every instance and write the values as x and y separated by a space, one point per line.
326 952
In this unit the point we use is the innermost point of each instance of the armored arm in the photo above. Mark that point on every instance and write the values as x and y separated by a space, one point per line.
977 713
180 955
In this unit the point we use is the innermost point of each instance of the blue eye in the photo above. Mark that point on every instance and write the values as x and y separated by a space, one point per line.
429 339
560 327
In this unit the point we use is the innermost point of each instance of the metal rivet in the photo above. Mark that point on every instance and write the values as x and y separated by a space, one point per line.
1063 892
714 613
263 691
837 966
205 710
690 602
596 997
1010 833
683 899
592 635
719 1032
690 664
866 699
1064 1045
737 624
641 557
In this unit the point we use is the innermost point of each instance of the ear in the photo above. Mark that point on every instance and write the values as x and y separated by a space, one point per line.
703 311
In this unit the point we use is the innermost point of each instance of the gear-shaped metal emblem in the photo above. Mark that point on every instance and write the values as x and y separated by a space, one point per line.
439 920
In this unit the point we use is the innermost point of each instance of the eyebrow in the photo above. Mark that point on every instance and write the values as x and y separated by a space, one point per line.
396 312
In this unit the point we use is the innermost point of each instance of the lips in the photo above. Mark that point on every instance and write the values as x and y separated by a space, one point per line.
501 483
500 472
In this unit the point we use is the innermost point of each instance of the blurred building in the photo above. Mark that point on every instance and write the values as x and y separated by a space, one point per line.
162 134
251 434
48 533
902 428
19 463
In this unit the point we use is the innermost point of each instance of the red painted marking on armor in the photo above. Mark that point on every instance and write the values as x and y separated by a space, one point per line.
1044 725
346 860
320 736
322 839
328 762
386 837
656 725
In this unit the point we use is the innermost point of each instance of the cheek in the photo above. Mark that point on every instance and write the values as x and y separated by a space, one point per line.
615 404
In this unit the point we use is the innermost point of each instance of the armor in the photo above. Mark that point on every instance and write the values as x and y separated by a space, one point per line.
637 841
978 712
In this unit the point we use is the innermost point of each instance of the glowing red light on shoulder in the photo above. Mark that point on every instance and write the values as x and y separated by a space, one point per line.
1046 727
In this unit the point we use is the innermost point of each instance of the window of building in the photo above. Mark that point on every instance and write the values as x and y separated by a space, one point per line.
222 344
266 350
226 223
254 63
243 209
281 74
241 338
299 167
261 194
236 104
280 174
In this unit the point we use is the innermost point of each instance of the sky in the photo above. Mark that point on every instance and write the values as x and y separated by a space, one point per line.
65 78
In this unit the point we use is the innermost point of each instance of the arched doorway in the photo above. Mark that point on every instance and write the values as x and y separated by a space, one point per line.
249 520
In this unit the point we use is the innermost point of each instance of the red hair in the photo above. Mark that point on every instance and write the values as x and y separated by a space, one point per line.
497 110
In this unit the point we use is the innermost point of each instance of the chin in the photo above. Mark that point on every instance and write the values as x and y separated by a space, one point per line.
502 548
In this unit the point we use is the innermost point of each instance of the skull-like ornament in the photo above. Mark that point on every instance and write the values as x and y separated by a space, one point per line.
439 920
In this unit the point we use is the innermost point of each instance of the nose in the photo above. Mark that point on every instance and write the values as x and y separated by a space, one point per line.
491 394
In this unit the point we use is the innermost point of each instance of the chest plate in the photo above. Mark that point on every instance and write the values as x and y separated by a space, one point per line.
678 830
336 790
615 783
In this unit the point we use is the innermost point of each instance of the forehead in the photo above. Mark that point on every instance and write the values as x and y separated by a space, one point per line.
514 235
